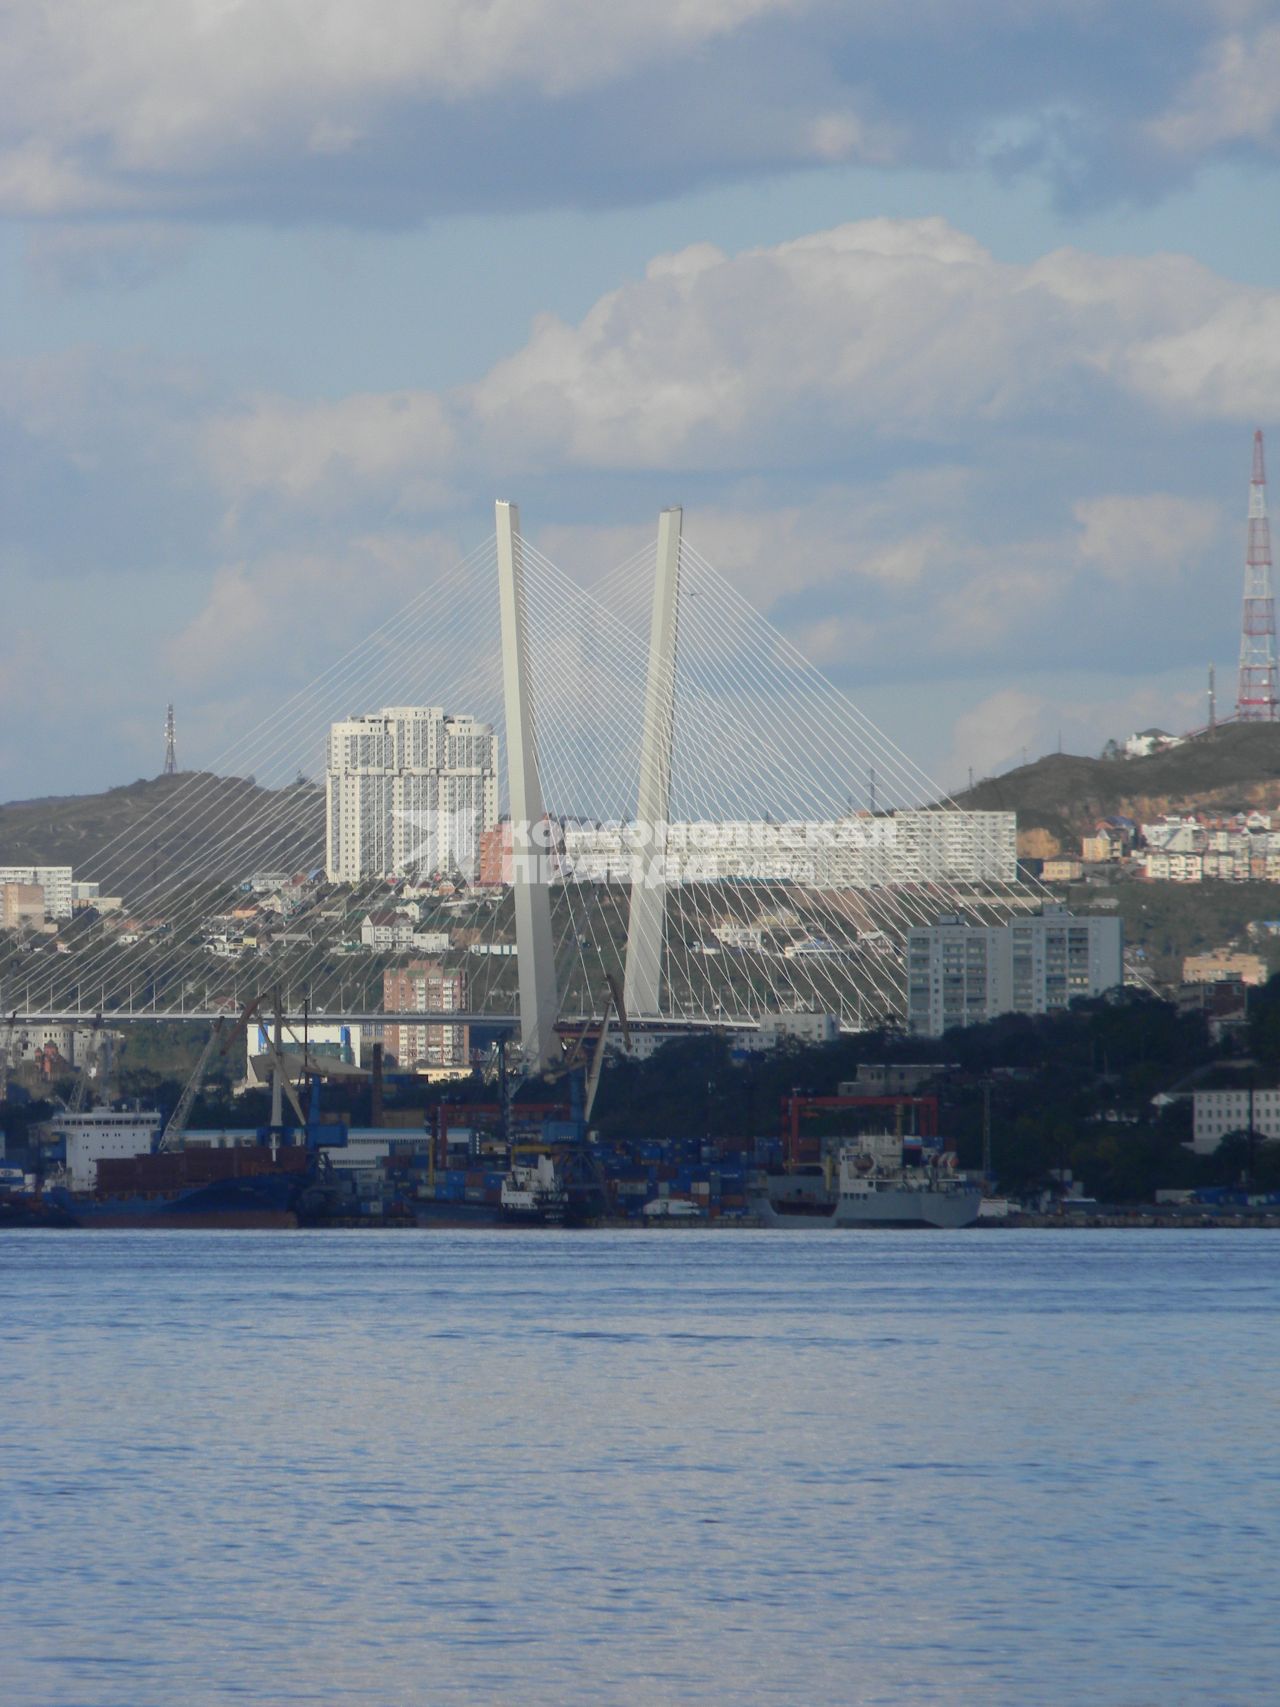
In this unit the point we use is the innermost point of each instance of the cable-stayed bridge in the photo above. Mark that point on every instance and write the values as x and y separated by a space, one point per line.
687 807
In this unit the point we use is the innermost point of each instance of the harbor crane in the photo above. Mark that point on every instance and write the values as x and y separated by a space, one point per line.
80 1095
220 1040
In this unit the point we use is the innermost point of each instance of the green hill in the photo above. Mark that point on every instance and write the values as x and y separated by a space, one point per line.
171 829
1234 769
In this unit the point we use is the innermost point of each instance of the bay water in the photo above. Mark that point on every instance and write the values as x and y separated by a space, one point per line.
676 1466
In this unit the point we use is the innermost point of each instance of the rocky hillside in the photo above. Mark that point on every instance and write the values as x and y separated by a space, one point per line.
166 831
1237 768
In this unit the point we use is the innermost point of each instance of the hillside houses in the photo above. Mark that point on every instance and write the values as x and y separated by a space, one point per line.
1192 847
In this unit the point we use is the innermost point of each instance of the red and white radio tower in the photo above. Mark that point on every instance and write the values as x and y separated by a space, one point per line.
1256 699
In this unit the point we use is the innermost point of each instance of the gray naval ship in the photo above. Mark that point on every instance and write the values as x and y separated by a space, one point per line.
877 1180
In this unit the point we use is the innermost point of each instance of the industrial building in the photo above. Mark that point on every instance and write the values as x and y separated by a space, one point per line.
962 974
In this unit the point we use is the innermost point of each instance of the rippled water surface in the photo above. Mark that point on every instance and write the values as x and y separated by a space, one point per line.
987 1467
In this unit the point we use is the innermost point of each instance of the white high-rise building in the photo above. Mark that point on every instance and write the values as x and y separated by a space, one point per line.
963 974
408 792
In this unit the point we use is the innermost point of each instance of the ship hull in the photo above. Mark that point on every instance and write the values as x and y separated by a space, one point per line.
889 1208
264 1202
438 1212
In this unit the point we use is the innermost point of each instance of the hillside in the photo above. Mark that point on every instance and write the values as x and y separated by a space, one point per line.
1237 768
169 829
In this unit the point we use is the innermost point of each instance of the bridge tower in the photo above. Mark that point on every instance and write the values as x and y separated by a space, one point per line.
646 925
1256 699
530 838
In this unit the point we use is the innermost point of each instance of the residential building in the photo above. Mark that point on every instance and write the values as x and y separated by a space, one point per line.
1062 870
21 904
409 791
1174 867
426 986
1110 840
1148 741
962 974
800 1025
1224 966
860 851
497 864
892 1078
387 931
78 1046
55 880
1218 1114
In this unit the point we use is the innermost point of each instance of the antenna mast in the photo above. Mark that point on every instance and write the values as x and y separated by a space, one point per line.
1256 699
170 745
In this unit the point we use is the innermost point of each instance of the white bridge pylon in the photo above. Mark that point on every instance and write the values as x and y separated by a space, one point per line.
702 816
531 850
535 949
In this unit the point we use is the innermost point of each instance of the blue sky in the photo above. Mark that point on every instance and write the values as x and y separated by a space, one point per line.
948 322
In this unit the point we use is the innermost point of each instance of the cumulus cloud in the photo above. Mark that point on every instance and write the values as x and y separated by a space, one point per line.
331 452
915 458
1233 99
310 596
395 108
1153 537
876 331
887 328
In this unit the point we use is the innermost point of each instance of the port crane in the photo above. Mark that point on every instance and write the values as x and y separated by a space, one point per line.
6 1053
80 1095
220 1040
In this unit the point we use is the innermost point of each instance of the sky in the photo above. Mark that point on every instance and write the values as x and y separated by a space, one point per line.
949 323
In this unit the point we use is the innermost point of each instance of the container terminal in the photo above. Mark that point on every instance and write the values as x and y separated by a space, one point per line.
527 1157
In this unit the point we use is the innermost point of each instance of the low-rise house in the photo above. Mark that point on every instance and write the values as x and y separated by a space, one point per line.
1064 870
1222 965
1147 741
387 931
1162 867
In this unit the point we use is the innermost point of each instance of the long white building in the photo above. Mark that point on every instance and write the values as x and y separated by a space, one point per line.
1219 1114
408 791
857 852
963 974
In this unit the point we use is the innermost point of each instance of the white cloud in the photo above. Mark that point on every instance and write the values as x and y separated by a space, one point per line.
173 86
1235 97
884 327
334 451
1152 537
288 609
392 108
993 734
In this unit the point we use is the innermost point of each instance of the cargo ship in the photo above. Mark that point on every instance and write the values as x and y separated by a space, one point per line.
246 1186
878 1180
117 1173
